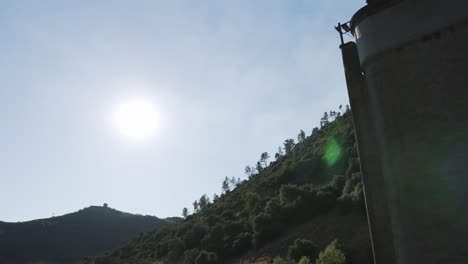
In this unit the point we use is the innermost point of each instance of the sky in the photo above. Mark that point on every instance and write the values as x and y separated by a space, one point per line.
230 80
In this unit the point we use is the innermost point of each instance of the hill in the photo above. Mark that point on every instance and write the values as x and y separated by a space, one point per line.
312 191
69 238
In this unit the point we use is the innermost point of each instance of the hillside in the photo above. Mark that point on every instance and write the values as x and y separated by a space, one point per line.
311 191
69 238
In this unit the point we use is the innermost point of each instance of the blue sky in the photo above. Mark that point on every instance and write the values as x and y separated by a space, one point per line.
231 79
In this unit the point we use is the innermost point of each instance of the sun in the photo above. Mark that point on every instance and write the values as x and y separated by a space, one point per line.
136 119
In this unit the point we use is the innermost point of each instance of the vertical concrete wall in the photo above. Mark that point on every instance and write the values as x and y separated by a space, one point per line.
411 116
376 200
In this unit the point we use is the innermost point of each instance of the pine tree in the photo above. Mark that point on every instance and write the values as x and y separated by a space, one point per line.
259 167
225 185
279 154
288 146
264 159
302 136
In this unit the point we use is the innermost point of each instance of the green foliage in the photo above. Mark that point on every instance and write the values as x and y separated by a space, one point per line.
332 254
279 154
264 159
295 188
252 201
206 258
225 186
301 248
305 260
338 183
175 249
242 242
203 202
191 255
301 136
280 260
288 146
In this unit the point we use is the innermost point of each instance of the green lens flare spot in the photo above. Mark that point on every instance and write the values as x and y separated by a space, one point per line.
332 152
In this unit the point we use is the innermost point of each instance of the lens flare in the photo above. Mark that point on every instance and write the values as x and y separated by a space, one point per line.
332 152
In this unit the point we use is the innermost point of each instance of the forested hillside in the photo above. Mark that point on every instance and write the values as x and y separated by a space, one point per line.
293 207
69 238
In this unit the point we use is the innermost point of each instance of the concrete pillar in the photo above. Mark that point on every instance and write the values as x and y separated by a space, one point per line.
376 202
409 98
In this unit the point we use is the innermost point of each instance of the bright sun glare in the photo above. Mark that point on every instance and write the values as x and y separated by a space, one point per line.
136 119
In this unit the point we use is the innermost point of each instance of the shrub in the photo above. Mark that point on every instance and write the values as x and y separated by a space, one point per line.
358 193
338 183
206 258
304 260
301 248
324 201
289 193
273 207
348 187
332 254
280 260
175 249
261 222
242 242
252 201
191 255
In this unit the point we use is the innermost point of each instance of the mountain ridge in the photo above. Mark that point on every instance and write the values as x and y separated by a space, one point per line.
71 237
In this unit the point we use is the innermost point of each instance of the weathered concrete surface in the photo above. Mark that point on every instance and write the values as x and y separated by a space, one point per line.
376 201
410 110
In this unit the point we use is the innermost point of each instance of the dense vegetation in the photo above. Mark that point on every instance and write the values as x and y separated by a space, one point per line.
314 181
69 238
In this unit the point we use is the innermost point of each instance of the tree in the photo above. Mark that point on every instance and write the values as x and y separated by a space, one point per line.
203 202
249 171
347 108
332 254
206 258
324 120
259 167
238 182
185 212
302 247
264 159
252 200
301 137
315 131
279 154
280 260
215 197
225 186
288 145
234 182
305 260
191 255
195 206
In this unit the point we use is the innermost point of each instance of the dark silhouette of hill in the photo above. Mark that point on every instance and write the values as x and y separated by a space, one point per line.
71 237
312 191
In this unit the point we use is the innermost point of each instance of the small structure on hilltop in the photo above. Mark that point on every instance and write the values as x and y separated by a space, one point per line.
105 205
